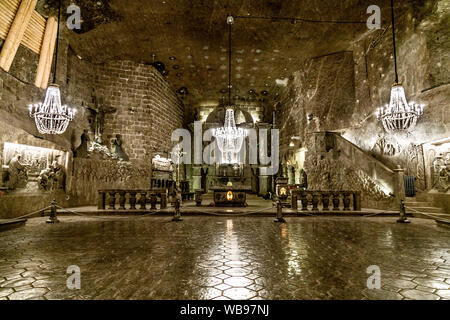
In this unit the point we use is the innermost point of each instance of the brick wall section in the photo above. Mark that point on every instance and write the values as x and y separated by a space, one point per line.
148 109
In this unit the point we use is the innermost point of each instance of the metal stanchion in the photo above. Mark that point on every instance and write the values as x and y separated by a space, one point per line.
403 218
53 213
177 204
279 218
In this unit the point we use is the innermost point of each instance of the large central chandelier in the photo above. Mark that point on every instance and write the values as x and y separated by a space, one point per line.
51 117
398 116
229 138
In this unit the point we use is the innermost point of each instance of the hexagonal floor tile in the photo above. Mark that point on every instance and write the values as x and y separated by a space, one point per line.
238 281
239 293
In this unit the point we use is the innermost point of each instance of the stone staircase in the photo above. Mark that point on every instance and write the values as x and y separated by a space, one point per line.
424 207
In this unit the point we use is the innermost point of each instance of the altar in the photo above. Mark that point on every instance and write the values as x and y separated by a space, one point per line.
231 196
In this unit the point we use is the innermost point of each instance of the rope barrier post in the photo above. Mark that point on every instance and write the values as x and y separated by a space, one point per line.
403 218
177 204
279 218
53 213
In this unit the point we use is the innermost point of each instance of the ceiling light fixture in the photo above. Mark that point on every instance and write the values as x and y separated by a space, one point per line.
398 116
229 138
51 117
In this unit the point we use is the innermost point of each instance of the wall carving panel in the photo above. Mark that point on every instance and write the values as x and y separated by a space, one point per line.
23 165
330 169
90 175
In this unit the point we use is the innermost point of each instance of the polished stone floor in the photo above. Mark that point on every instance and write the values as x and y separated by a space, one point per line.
225 258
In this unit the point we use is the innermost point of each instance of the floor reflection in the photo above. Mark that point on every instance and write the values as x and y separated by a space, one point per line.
226 258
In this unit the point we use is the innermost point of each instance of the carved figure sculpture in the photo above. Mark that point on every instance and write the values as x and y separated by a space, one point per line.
303 179
117 149
52 178
441 173
82 150
17 173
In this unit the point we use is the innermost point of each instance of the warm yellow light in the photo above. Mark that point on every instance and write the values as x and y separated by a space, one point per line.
229 195
283 191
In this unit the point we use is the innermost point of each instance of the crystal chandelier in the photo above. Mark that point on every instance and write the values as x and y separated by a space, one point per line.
229 138
51 117
398 116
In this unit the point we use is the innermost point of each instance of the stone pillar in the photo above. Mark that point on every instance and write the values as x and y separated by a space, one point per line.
290 174
357 201
163 200
263 185
197 177
101 200
399 187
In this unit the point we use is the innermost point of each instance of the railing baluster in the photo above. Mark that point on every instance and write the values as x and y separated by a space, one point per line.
326 201
304 200
122 199
346 201
143 200
336 201
153 200
315 202
132 200
112 200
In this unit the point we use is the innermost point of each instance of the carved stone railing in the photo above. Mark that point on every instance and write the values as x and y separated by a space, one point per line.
327 200
135 199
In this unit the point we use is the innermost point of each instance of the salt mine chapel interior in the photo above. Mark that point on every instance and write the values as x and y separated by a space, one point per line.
256 145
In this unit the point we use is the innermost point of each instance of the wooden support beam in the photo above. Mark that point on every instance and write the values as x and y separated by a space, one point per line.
47 53
16 33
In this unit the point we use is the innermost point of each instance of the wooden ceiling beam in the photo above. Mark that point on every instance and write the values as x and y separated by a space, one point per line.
47 53
16 33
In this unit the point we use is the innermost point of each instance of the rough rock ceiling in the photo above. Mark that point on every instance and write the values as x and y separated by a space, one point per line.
191 38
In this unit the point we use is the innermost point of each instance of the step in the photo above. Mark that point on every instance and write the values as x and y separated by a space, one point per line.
415 204
8 224
433 216
426 209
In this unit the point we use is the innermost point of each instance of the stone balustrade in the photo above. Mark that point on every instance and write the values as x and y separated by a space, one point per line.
131 199
327 200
